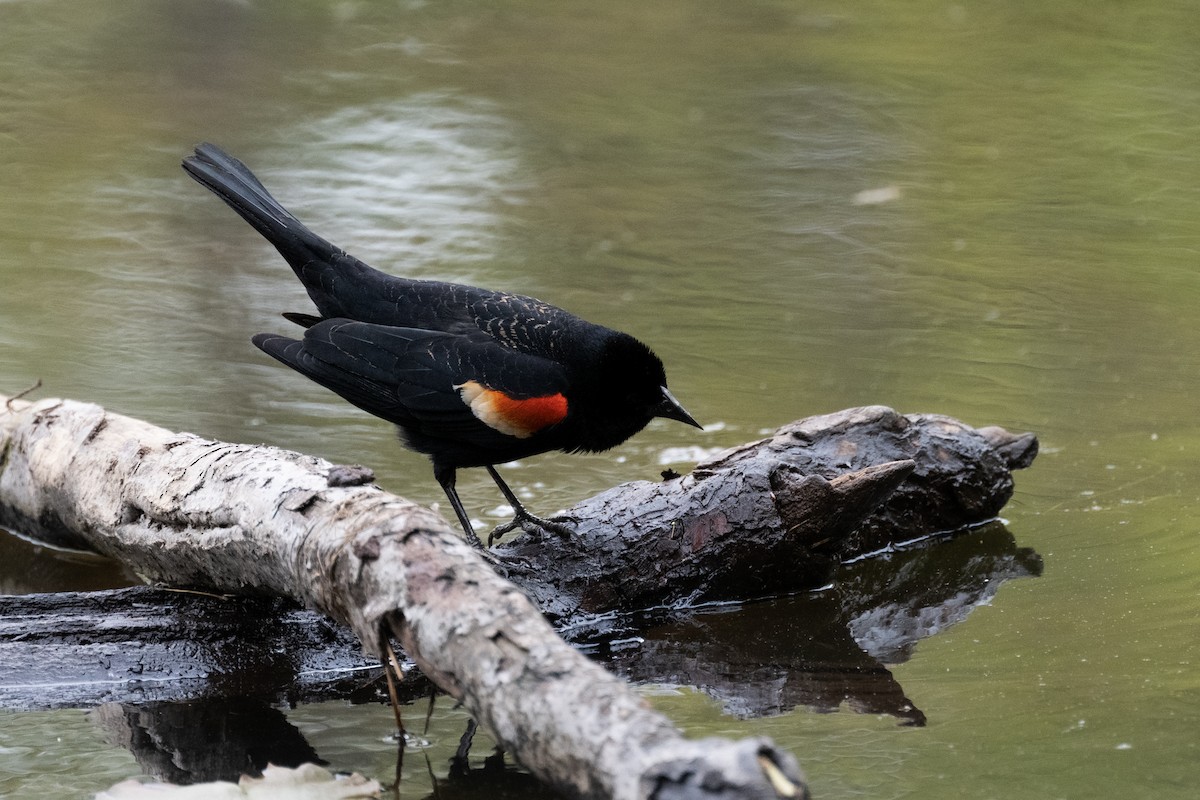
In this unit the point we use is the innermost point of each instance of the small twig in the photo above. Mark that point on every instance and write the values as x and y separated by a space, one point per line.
433 780
433 693
199 593
8 403
780 782
392 663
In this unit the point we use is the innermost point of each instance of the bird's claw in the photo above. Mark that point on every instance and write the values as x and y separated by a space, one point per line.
531 524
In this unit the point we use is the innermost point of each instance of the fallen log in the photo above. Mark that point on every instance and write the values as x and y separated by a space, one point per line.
771 517
183 510
821 650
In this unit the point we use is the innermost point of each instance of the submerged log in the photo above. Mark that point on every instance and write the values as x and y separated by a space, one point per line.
186 652
146 645
183 510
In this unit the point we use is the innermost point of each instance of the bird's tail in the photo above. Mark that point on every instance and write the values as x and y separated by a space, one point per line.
230 180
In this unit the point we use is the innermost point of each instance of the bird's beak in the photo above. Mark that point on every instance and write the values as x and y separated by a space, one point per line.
670 408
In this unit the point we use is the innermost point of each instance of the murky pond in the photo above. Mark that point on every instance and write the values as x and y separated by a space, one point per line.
986 211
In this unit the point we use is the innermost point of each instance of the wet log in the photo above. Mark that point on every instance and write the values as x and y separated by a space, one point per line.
771 517
186 511
189 653
146 645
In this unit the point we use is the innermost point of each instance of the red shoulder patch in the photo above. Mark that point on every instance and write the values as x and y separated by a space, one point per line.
511 415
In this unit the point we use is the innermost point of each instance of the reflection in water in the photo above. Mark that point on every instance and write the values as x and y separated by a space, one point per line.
896 599
186 743
496 779
695 165
195 742
833 647
30 567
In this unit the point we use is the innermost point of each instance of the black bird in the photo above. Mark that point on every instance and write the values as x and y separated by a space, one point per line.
471 377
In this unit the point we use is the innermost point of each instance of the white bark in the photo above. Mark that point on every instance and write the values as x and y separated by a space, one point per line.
187 511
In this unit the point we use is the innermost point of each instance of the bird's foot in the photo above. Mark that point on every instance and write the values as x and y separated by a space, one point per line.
531 524
473 540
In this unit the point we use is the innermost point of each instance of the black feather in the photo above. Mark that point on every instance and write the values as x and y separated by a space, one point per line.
402 349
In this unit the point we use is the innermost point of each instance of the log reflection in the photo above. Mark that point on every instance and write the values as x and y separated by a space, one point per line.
833 647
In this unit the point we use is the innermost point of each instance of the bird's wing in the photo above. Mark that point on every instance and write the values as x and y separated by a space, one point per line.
465 389
342 286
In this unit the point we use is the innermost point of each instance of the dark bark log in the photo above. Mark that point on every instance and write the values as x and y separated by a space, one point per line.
145 645
774 516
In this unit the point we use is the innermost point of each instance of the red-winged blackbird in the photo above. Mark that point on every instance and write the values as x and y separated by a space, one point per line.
471 377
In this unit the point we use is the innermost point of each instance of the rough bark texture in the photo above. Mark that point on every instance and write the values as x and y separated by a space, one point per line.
235 518
773 516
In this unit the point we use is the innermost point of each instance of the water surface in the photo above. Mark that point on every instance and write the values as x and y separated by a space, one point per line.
1024 254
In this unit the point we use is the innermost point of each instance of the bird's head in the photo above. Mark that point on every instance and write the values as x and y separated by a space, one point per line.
626 388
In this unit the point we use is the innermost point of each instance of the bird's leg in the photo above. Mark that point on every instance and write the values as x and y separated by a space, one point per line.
521 518
445 476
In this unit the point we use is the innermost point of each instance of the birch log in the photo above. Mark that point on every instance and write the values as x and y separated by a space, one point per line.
183 510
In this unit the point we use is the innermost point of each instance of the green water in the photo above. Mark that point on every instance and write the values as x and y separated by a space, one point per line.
687 172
